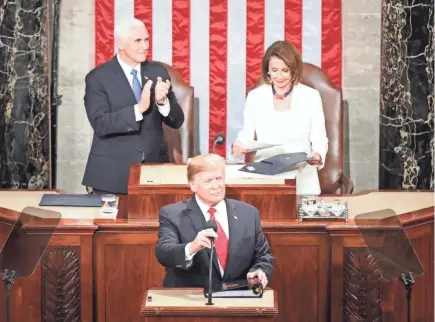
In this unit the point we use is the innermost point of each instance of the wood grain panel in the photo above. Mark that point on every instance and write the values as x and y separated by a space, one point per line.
126 268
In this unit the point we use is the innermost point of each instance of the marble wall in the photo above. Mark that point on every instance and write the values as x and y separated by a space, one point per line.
24 94
361 61
407 95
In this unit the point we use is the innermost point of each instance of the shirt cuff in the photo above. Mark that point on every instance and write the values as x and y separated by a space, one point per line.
138 115
165 108
187 253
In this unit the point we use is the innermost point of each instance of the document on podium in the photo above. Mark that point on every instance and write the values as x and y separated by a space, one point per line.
237 289
252 146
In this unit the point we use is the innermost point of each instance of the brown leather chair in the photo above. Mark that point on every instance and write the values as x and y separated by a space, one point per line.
332 179
181 141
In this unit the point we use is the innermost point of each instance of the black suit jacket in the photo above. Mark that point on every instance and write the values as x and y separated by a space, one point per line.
179 225
118 139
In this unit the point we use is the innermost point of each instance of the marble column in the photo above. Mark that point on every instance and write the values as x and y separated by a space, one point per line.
407 95
25 94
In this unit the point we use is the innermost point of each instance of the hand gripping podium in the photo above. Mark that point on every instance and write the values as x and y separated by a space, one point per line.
392 251
182 304
28 237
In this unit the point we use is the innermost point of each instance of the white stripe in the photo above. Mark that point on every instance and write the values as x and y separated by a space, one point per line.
312 32
274 21
199 66
123 9
162 31
236 70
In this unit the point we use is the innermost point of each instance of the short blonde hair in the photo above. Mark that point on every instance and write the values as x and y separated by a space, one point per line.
204 162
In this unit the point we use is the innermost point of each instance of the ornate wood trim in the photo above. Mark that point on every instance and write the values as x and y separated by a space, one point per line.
60 284
361 286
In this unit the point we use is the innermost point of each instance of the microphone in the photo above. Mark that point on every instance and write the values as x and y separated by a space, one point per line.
210 224
218 139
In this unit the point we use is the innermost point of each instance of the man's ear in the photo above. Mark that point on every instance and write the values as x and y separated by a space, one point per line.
192 186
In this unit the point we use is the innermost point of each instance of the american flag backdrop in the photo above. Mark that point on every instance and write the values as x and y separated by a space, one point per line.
217 45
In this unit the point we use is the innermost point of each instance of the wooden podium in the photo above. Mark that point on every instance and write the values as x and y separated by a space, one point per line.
160 304
152 186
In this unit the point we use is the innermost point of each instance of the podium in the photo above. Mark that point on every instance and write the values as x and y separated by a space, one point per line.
152 186
181 304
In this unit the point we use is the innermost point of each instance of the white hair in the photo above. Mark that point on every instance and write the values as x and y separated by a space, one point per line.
123 28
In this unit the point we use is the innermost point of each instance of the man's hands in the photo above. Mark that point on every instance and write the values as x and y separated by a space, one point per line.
161 92
260 275
145 100
162 89
202 240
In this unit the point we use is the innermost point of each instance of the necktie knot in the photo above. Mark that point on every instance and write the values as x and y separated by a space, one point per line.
212 211
134 72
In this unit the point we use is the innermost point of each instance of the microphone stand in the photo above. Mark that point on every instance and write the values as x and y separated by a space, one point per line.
210 268
8 280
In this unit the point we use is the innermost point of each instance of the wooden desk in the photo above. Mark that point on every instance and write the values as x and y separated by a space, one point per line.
321 271
161 304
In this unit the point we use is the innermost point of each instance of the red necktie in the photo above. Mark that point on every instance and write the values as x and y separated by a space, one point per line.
221 243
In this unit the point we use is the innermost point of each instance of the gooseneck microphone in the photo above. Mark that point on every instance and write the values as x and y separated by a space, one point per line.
210 224
218 139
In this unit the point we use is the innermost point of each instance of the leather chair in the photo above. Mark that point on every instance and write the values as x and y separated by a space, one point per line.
332 179
181 141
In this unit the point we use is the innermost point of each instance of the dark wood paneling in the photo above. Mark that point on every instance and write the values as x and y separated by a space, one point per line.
361 286
36 298
125 270
300 276
60 300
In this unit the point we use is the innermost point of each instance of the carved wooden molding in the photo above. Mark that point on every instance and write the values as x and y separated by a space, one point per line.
361 287
60 284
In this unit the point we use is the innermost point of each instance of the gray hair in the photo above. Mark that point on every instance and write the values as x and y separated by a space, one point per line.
123 28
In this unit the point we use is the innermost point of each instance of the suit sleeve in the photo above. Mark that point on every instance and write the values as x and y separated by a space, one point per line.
170 252
102 119
263 258
175 118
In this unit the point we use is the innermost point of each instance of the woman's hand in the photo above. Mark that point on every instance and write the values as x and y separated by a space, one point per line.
238 149
317 158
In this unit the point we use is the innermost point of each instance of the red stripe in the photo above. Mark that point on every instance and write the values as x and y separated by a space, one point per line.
293 23
104 30
254 40
218 71
181 37
143 10
331 40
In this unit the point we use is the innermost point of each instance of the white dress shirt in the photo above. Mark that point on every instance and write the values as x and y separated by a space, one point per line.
163 109
220 215
300 129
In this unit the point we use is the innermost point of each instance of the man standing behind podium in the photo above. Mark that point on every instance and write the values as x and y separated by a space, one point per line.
183 245
126 100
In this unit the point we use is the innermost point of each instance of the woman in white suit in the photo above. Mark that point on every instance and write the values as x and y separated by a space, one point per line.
284 111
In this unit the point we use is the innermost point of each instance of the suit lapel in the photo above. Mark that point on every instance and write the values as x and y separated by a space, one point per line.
124 86
234 231
197 217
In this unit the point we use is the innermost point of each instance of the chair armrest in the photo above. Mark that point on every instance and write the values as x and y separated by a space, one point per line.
346 185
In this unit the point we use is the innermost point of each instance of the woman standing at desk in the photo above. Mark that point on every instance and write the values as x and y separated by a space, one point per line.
284 111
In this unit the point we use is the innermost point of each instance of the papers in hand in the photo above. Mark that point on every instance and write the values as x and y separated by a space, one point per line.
252 146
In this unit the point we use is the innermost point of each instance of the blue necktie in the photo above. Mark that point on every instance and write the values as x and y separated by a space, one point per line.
137 90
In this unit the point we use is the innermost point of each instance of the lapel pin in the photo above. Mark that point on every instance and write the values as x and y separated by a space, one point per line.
235 217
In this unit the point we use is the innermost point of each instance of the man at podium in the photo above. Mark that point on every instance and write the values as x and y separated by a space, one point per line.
183 246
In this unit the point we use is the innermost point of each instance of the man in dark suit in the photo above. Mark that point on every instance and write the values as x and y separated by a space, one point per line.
183 246
126 100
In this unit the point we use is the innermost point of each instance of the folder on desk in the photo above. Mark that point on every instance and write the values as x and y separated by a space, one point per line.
71 200
277 164
237 289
